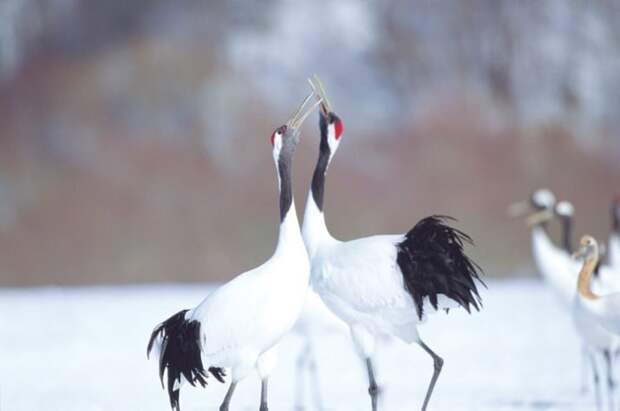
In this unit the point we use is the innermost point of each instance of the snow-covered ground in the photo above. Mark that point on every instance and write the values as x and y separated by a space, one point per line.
85 349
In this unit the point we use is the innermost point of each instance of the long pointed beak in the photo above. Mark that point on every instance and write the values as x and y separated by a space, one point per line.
518 209
302 112
539 217
319 90
579 254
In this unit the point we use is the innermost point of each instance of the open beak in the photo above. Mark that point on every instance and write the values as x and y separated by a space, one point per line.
304 110
539 217
519 209
319 90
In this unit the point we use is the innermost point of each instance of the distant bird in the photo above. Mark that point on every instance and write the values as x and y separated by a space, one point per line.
238 325
553 263
607 277
596 340
604 308
384 284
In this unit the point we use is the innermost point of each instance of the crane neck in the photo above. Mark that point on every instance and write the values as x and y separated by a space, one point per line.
615 217
285 185
567 234
289 224
322 164
585 278
314 228
289 234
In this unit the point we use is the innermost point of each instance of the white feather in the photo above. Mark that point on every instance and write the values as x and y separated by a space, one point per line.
606 310
248 315
560 271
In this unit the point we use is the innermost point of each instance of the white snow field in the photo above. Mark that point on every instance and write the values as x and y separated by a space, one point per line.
85 349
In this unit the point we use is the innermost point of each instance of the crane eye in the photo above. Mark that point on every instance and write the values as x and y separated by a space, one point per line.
279 131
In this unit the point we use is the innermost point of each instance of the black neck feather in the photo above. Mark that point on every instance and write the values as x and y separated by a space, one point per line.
615 217
318 178
567 234
286 192
545 226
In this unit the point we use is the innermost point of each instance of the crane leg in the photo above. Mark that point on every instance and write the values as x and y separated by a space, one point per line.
227 398
585 368
263 395
302 360
611 383
437 365
597 385
373 388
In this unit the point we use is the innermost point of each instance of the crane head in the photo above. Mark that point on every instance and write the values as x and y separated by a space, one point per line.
330 124
588 248
542 199
565 209
285 138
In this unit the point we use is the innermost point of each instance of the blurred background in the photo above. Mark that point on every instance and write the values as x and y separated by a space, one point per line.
134 136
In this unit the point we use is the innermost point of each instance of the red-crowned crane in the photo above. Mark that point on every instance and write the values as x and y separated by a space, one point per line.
238 325
384 284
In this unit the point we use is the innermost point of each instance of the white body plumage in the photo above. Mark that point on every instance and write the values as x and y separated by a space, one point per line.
555 266
239 324
560 271
606 310
379 285
244 318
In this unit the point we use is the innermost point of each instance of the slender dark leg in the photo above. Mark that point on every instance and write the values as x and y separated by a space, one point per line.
437 364
597 388
263 395
585 366
229 394
373 388
302 359
611 384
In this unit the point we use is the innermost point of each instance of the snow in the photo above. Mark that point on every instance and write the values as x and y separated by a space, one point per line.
85 349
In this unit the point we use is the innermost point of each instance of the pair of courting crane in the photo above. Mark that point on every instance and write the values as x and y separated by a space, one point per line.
384 284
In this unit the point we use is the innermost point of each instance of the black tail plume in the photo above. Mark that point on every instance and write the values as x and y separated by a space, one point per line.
180 355
433 262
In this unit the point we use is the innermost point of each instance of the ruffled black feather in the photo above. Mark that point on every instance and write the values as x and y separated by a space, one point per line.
433 262
180 355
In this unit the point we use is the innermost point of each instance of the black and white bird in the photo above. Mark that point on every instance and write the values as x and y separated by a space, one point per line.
384 284
237 326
